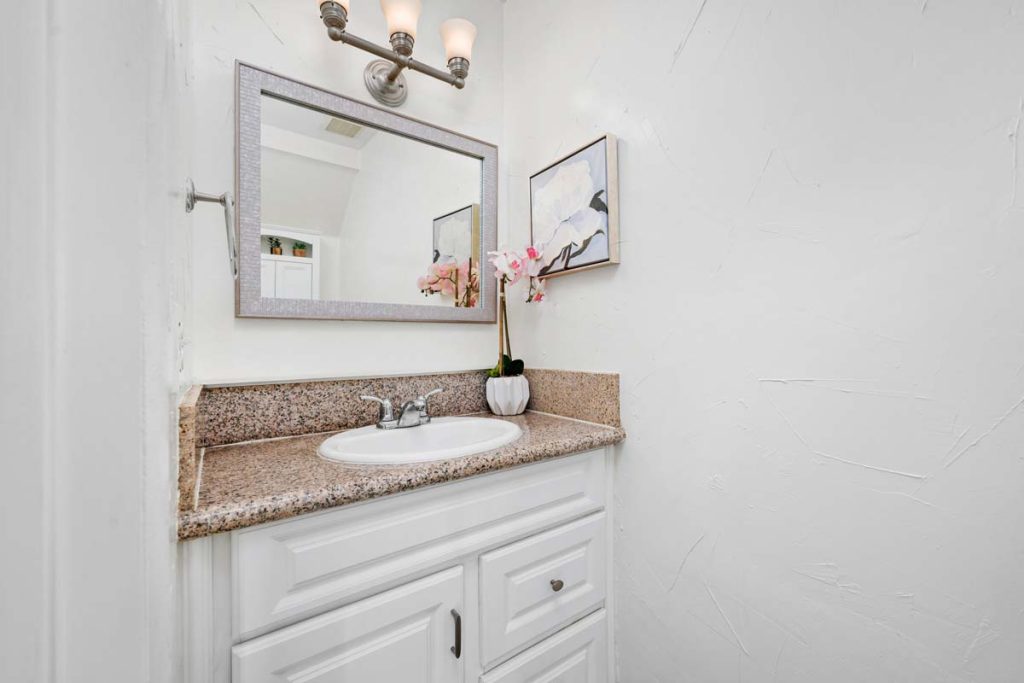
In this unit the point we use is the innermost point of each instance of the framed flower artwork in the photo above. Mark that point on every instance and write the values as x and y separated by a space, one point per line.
574 210
457 235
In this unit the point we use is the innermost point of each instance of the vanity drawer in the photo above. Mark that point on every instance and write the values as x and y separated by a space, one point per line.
577 653
289 570
540 584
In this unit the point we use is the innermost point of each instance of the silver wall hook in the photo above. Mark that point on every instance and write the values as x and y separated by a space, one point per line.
228 202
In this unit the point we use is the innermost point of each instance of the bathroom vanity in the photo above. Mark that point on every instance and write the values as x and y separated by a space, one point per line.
487 567
481 550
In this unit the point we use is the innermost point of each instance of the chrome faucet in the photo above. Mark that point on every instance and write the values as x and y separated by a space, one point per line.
412 413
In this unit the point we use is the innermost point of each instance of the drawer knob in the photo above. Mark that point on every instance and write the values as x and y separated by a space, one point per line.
556 585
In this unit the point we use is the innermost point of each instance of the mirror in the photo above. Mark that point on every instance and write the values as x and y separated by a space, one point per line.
348 211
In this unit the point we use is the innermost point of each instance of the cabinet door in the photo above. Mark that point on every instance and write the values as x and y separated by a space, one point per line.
405 634
267 278
294 280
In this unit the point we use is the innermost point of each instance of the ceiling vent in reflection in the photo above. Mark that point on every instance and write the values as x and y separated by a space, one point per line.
346 128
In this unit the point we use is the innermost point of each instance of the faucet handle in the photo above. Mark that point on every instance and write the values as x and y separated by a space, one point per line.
387 412
421 402
427 395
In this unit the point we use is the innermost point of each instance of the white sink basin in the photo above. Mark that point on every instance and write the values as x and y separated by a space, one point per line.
440 439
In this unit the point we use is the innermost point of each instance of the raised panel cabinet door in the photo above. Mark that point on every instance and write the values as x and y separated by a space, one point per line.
268 278
576 654
406 634
294 280
533 587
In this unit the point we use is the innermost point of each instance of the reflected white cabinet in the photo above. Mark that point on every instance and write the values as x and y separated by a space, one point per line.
293 280
285 277
508 570
268 278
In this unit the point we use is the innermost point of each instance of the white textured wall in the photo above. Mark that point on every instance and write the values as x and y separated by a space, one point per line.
286 36
25 402
92 218
818 321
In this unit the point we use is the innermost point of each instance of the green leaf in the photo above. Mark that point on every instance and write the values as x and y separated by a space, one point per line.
512 368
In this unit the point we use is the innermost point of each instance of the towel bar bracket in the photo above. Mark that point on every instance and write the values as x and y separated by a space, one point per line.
228 202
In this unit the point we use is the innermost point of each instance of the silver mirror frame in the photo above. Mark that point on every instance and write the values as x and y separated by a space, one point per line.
251 83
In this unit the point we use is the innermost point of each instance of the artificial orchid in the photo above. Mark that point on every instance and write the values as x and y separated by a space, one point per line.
534 263
509 268
458 280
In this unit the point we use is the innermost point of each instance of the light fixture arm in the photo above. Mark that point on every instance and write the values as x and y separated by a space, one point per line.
383 77
400 61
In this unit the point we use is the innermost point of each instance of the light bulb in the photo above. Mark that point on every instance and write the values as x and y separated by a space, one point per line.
401 15
458 36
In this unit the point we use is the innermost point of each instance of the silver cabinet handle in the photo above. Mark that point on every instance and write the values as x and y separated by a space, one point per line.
457 648
556 585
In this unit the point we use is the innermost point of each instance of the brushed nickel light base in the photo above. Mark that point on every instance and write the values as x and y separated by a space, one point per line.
335 18
387 90
459 67
402 43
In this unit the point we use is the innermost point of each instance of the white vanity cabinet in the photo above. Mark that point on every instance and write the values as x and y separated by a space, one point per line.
502 577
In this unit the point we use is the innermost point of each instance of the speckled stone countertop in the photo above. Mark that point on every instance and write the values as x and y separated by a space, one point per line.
251 483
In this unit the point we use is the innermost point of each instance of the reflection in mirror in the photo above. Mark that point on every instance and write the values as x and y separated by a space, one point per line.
353 213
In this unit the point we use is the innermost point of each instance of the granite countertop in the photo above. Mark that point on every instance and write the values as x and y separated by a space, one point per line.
250 483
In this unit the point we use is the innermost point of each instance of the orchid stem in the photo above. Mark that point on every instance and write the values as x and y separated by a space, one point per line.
501 329
508 337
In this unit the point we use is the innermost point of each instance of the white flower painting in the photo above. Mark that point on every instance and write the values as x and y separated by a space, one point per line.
574 210
457 236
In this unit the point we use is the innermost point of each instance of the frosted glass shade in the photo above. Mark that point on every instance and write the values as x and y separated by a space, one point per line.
401 15
458 36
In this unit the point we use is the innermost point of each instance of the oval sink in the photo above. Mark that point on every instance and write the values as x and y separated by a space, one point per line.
441 438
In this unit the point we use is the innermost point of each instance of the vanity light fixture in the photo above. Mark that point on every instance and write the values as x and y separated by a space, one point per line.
383 77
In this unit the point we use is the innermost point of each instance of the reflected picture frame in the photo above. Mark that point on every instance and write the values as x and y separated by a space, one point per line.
472 215
251 84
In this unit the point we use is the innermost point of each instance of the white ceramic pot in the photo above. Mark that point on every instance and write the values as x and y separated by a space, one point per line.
508 395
